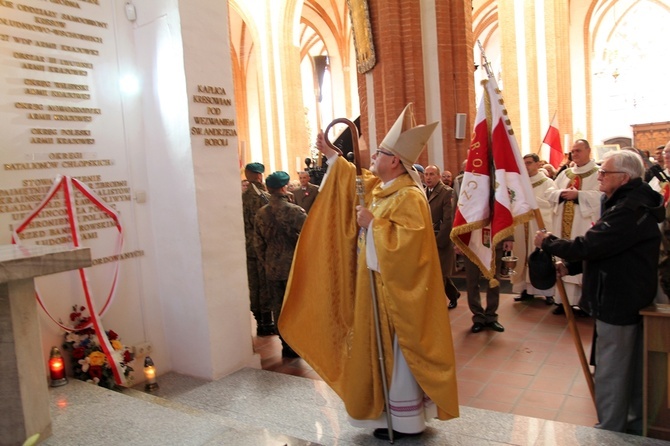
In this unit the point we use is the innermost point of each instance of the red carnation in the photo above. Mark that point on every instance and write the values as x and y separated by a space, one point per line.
95 371
79 353
112 335
127 356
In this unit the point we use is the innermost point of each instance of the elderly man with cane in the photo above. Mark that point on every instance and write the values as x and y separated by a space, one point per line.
618 257
380 254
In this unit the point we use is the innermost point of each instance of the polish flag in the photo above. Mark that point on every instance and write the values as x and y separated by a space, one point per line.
552 140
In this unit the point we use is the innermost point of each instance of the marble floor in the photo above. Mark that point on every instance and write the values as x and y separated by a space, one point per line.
261 408
520 387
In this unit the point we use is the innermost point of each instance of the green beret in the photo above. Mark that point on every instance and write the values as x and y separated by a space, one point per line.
277 180
255 167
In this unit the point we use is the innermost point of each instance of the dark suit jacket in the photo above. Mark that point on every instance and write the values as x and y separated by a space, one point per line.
441 202
305 198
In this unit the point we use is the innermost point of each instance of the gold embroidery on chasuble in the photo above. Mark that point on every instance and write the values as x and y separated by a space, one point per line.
569 206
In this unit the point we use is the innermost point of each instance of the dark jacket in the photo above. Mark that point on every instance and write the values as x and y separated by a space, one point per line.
305 197
618 255
441 202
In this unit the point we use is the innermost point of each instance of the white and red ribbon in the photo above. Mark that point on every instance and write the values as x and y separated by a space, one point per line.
68 186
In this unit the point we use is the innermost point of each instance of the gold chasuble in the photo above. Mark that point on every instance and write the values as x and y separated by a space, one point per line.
327 313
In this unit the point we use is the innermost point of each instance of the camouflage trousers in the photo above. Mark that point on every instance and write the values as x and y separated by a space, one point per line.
276 290
258 292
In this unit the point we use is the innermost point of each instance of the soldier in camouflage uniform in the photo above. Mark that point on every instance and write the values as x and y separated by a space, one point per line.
277 228
254 198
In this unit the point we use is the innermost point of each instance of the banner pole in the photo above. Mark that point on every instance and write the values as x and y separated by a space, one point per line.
571 321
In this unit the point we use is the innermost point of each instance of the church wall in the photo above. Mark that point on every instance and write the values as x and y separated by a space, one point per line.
182 285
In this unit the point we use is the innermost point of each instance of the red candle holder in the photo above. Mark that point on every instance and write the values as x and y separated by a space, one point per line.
57 368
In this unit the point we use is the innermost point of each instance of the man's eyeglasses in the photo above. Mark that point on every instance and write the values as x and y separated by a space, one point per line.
379 151
604 172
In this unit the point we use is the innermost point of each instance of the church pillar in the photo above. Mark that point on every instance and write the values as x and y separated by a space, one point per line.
456 62
533 37
424 55
559 85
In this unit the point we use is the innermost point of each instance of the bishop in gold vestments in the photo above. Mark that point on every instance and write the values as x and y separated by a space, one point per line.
327 314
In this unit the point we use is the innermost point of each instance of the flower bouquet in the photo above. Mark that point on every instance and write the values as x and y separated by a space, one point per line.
89 362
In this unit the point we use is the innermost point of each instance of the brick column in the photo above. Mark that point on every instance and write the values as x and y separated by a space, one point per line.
398 76
456 59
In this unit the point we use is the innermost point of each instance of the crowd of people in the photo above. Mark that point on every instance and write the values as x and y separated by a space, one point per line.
388 241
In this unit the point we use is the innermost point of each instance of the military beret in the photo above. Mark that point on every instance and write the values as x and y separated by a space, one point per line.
277 180
419 168
255 167
541 269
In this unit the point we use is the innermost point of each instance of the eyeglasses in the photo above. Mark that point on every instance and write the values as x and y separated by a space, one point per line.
383 153
604 172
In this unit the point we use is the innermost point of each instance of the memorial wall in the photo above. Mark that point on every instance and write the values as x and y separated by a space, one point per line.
113 127
61 116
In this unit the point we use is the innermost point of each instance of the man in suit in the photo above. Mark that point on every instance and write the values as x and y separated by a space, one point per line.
305 194
441 202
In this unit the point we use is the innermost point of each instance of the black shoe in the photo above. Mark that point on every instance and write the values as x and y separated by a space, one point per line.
558 310
523 297
452 304
580 313
266 330
550 300
495 326
477 327
383 434
288 352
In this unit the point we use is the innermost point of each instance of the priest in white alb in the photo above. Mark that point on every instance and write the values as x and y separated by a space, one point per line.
576 205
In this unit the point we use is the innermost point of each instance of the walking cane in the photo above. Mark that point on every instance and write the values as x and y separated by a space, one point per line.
571 322
360 191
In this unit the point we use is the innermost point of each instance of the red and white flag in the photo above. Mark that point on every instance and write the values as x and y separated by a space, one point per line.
488 210
552 141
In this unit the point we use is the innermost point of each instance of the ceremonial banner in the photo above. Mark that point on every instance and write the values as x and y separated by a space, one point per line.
488 210
471 231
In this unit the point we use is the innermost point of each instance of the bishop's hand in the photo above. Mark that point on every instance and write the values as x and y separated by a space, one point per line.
363 216
323 147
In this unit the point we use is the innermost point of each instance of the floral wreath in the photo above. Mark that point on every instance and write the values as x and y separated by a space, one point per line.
89 361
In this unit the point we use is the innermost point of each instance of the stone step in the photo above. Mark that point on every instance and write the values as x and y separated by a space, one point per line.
85 414
257 407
